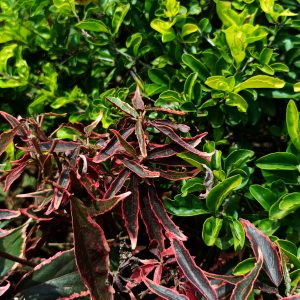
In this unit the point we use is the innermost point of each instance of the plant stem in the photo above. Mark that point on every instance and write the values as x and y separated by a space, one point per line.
17 259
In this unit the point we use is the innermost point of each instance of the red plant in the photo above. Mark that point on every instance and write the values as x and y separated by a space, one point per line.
89 177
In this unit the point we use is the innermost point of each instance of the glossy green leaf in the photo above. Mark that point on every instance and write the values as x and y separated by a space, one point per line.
238 234
218 194
278 161
290 201
292 123
192 159
119 16
165 28
244 267
290 250
211 229
237 159
264 196
265 56
238 101
192 185
187 206
93 25
195 65
260 82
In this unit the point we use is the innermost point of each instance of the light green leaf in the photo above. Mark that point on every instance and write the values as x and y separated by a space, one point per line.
292 123
119 16
244 267
218 194
188 28
238 101
238 234
93 25
211 229
278 161
260 82
221 83
172 8
265 197
297 87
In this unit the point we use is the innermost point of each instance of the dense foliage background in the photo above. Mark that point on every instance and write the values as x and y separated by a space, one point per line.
228 68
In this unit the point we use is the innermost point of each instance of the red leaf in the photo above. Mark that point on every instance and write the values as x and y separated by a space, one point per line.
112 146
140 134
244 287
117 184
4 288
164 292
14 122
161 214
271 264
32 212
173 175
89 129
192 272
61 146
130 211
169 132
137 100
13 175
124 106
130 150
161 151
91 252
167 110
102 206
138 169
226 278
6 214
182 127
76 296
63 183
153 227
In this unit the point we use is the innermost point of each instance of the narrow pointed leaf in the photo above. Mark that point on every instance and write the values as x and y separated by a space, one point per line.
4 287
243 288
117 184
218 194
169 132
53 278
130 211
173 175
63 182
161 151
271 264
61 146
140 134
137 100
153 227
7 214
13 175
182 127
91 252
162 215
89 129
102 206
167 111
112 146
163 292
123 106
192 272
14 122
124 143
139 170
